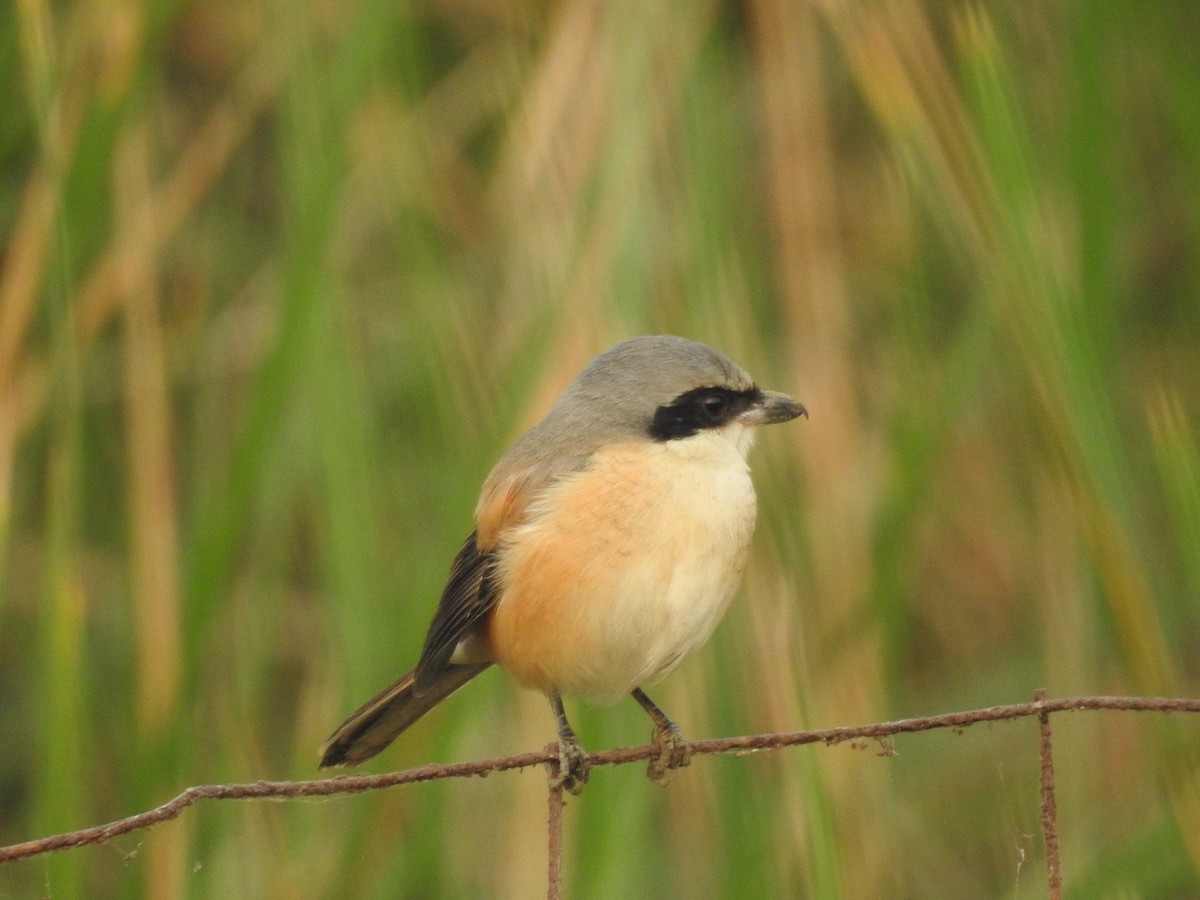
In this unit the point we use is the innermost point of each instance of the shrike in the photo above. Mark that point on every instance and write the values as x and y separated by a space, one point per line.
608 543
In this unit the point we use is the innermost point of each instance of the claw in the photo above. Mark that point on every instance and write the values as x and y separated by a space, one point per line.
573 767
674 752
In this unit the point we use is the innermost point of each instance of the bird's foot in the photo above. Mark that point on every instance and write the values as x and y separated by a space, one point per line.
674 752
573 768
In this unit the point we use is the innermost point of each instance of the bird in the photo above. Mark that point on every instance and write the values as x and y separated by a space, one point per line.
609 541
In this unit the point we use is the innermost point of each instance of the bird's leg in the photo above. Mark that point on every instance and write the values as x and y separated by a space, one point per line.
674 752
573 763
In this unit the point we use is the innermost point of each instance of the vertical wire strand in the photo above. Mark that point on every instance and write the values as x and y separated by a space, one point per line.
1049 804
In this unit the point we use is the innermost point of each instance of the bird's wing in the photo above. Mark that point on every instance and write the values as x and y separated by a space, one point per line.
468 596
472 589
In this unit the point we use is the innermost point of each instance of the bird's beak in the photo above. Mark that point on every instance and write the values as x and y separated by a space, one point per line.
772 408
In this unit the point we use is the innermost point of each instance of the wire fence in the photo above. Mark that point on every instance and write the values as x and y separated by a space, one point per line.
1041 707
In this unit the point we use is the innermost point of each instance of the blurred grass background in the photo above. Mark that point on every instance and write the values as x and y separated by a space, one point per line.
281 280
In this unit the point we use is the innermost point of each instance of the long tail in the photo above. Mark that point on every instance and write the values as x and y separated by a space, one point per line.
376 723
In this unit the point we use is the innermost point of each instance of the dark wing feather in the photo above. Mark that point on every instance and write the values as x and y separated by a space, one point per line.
469 595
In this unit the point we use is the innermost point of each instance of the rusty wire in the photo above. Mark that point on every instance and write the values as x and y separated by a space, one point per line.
737 746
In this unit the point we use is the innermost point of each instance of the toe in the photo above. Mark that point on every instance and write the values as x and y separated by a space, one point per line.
674 752
573 768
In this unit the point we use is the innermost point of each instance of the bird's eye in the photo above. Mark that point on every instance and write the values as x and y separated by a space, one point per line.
713 406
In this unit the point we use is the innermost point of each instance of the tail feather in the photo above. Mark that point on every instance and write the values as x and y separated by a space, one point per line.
376 723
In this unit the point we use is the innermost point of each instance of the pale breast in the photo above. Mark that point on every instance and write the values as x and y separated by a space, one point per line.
625 569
